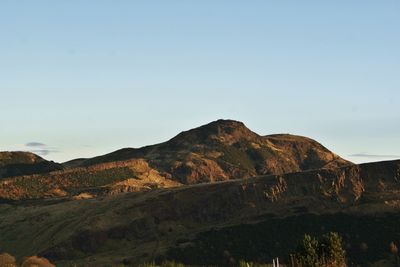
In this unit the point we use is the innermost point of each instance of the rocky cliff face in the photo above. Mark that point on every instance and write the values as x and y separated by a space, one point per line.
219 151
198 223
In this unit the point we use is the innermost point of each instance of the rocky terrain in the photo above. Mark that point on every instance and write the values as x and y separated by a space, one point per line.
210 195
251 219
219 151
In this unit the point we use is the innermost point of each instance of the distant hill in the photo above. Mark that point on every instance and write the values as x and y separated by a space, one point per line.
219 151
24 163
226 149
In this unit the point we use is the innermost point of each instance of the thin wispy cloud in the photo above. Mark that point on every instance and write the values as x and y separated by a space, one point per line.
40 148
35 144
366 155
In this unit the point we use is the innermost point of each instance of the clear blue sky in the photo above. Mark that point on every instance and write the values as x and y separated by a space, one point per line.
88 77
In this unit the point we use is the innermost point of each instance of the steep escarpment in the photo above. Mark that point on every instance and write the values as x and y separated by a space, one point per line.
179 223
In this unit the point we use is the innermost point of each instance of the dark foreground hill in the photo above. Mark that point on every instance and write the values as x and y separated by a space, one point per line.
24 163
252 219
219 151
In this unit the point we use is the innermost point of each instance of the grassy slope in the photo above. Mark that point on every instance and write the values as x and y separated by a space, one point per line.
143 226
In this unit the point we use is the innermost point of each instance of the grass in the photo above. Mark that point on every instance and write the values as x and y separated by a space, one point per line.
37 186
236 157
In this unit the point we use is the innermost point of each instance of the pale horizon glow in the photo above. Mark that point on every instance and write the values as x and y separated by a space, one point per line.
85 78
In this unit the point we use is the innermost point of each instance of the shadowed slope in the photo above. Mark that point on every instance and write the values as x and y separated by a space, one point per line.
24 163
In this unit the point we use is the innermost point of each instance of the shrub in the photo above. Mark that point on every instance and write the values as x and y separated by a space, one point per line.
35 261
6 260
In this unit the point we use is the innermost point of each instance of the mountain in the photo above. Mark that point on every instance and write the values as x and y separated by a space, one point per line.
253 219
219 151
24 163
227 149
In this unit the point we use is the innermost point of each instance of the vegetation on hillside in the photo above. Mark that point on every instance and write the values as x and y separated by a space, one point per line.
7 260
58 184
325 251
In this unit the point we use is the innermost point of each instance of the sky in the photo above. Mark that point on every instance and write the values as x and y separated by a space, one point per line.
84 78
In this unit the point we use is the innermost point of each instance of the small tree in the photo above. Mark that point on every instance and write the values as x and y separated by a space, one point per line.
325 252
331 250
307 252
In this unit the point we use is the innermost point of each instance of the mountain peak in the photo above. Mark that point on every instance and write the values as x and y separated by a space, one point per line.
227 123
226 126
222 131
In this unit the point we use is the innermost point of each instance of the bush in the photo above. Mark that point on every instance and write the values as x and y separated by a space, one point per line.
6 260
35 261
